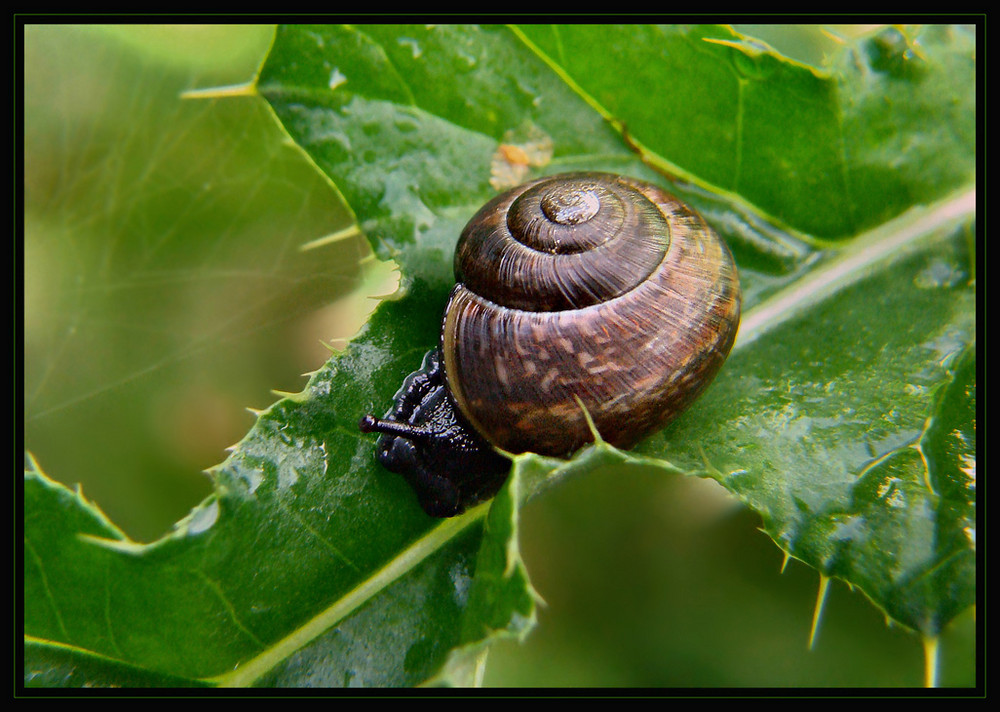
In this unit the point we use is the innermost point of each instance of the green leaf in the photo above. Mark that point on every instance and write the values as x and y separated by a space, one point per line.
844 417
828 152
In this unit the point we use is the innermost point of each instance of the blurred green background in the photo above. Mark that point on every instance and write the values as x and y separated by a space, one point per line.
166 290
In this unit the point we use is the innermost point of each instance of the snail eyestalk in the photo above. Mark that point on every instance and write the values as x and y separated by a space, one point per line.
371 424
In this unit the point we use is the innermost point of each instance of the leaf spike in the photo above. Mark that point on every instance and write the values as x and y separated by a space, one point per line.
930 660
338 236
590 421
824 584
833 36
784 561
247 89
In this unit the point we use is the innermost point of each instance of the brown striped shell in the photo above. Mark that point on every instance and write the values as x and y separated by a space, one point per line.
591 286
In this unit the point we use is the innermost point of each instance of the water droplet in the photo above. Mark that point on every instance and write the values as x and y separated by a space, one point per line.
203 518
938 274
570 207
336 78
414 46
753 59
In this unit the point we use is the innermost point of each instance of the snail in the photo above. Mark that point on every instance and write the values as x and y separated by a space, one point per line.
577 294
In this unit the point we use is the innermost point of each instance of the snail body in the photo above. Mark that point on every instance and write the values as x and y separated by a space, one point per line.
580 289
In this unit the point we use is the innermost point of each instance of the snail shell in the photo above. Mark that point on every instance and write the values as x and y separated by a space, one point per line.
581 289
586 286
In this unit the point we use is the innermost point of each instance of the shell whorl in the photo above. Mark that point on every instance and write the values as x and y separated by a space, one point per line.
562 243
589 286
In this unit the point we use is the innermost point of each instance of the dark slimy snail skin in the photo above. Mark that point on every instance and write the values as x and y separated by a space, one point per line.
586 286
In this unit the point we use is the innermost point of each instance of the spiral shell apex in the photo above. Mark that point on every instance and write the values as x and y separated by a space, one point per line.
586 286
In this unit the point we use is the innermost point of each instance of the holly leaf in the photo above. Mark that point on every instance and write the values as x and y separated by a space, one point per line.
845 415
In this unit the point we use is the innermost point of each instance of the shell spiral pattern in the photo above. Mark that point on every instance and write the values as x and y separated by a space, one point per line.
591 286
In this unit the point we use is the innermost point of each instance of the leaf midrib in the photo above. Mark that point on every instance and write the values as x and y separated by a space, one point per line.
882 244
405 561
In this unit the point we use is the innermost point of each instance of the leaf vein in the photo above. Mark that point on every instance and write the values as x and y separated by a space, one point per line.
214 587
45 586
